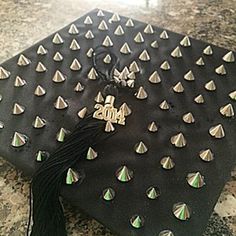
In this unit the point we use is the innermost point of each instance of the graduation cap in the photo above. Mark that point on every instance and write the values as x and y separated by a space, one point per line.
130 123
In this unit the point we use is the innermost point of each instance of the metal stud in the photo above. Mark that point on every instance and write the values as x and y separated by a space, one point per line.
18 109
217 131
229 57
71 176
210 86
39 123
131 76
39 91
154 44
181 211
75 65
124 174
167 163
74 46
82 113
40 68
79 87
134 67
154 78
185 42
107 59
119 30
232 95
109 127
206 155
141 94
178 140
0 97
100 13
89 35
73 29
19 140
199 99
58 77
107 42
125 49
108 194
176 53
188 118
164 35
208 51
164 105
148 29
139 38
23 60
90 52
178 88
220 70
103 26
140 148
91 154
57 39
166 232
115 18
152 127
189 76
137 221
41 156
41 50
58 57
1 125
4 74
61 135
19 82
165 65
125 108
144 56
129 23
200 62
227 110
99 98
92 75
60 103
153 193
195 180
88 20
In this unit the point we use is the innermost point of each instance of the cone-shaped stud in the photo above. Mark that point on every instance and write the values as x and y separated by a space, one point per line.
125 49
210 86
227 110
79 87
148 29
176 53
19 140
134 67
74 46
39 91
154 44
58 57
90 52
167 163
124 174
189 76
89 35
115 18
164 35
137 221
141 94
107 59
57 39
4 74
188 118
41 50
108 194
229 57
100 13
103 26
58 77
107 42
199 99
185 42
153 193
40 68
178 88
75 65
131 75
39 123
60 103
88 20
208 51
164 105
92 75
206 155
41 156
195 180
23 61
144 56
166 232
200 62
1 125
82 113
71 176
232 95
18 109
91 154
165 65
126 110
119 30
0 97
154 78
181 211
152 127
139 38
140 148
61 135
129 23
178 140
217 131
220 70
109 127
99 98
73 29
19 82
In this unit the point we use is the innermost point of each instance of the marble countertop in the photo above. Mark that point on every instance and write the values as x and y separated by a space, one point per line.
24 22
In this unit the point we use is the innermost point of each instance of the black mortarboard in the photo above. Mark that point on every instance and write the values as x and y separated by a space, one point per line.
131 123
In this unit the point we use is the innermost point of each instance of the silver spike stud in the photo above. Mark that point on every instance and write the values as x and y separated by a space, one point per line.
39 91
125 108
88 20
208 51
210 86
165 65
99 98
232 95
199 99
125 49
75 65
140 148
61 135
176 53
178 88
40 68
131 76
108 194
42 50
79 87
167 163
103 26
74 46
152 127
181 211
124 174
58 57
57 39
19 140
107 59
144 56
92 75
89 35
23 60
115 18
100 13
18 109
82 112
1 125
217 131
91 154
229 57
164 105
90 52
41 156
4 74
60 103
220 70
107 42
39 123
189 76
154 78
109 127
134 67
188 118
1 97
153 192
206 155
227 110
129 23
164 35
185 42
119 31
73 29
139 38
178 140
195 180
71 176
155 44
137 221
200 62
148 29
166 232
19 82
141 94
58 77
